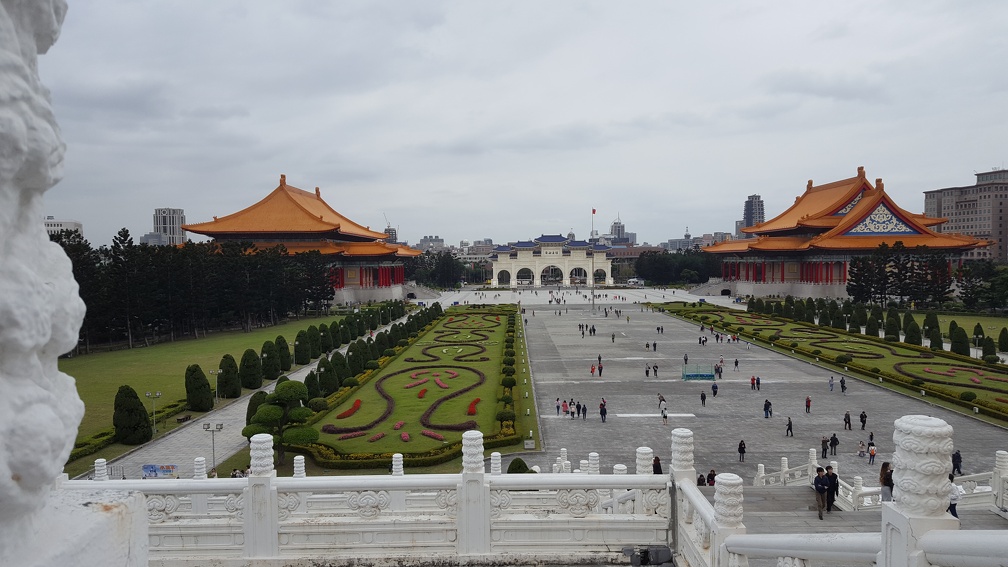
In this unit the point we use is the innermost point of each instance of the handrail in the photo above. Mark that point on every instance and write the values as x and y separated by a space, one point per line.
973 548
857 547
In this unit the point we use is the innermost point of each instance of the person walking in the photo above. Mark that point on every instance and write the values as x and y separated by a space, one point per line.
766 409
558 406
808 406
714 389
741 451
656 465
685 358
830 383
736 365
655 370
871 454
703 399
599 370
752 382
832 489
757 383
654 346
886 481
821 484
846 421
957 462
600 359
578 406
789 431
602 410
647 370
593 370
864 419
825 446
843 385
614 338
953 496
566 408
833 442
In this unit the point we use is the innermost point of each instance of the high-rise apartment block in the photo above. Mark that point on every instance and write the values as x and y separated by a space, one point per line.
168 222
976 210
752 212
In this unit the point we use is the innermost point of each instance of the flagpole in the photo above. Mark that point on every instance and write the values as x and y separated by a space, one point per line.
591 276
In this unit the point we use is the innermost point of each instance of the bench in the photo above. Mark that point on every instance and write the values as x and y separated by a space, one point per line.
184 418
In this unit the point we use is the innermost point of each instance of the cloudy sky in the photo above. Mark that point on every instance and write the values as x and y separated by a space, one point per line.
507 120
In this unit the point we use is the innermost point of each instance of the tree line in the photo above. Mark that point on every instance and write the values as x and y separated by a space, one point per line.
137 293
683 266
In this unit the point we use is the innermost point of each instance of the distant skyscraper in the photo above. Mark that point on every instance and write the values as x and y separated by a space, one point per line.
976 210
393 235
752 212
53 226
169 223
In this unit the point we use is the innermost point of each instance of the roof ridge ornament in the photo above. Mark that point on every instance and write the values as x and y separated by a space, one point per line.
878 184
860 171
318 194
809 186
283 180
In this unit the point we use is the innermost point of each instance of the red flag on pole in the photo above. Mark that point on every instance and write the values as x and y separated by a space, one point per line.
593 211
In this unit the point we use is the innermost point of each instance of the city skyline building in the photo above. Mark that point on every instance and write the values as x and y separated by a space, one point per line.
975 210
752 213
54 225
168 222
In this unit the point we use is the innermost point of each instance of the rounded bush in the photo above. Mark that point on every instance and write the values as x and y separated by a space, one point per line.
917 382
509 352
517 466
508 361
817 352
318 404
402 342
508 371
794 344
992 359
844 358
892 338
967 396
371 365
350 383
388 352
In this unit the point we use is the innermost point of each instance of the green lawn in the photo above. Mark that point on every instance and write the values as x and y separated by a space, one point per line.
161 368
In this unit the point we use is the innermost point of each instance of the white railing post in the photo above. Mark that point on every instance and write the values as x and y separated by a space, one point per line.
784 473
593 463
261 516
583 466
856 490
999 480
921 465
198 499
642 465
473 519
495 464
727 519
682 466
397 498
299 472
810 473
100 470
760 479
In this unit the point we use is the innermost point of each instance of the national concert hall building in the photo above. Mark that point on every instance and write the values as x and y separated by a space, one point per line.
806 250
363 266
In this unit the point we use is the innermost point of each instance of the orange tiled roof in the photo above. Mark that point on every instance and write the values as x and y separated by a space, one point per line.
816 206
285 210
846 215
347 249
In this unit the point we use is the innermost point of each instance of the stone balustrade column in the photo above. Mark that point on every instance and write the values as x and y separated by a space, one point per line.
813 462
397 464
495 463
642 464
299 467
999 482
760 479
682 466
727 515
593 463
619 469
856 489
473 518
261 517
299 472
397 498
921 465
567 467
563 455
101 469
783 468
199 501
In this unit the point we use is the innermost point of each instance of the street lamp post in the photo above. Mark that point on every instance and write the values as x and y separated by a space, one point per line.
976 343
216 374
153 398
213 429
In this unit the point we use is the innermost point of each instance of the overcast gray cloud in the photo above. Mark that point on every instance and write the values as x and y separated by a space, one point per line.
508 120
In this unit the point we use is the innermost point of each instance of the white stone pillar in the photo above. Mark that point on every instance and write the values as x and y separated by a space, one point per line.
812 465
473 519
495 463
397 498
784 467
563 455
856 489
619 469
643 462
682 466
100 469
921 465
299 467
583 466
727 515
593 463
199 468
567 467
261 517
999 482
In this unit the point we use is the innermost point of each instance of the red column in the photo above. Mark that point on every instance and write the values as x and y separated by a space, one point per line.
782 271
844 275
723 271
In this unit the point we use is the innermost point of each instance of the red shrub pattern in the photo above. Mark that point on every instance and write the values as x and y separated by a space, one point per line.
350 411
472 407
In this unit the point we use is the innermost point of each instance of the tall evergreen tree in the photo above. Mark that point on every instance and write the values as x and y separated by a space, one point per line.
250 370
130 419
283 350
199 397
1003 340
960 342
325 338
913 334
270 361
228 382
282 415
314 341
936 339
302 348
312 384
255 400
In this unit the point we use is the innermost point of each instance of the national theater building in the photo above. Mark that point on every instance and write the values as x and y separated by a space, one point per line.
363 266
551 259
806 250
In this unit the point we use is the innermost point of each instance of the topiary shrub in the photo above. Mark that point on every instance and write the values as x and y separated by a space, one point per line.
255 401
917 382
371 365
892 338
991 359
250 370
228 383
350 383
960 342
271 366
388 352
199 397
302 350
844 358
318 404
130 419
508 361
967 396
283 351
509 352
517 466
508 371
816 352
402 342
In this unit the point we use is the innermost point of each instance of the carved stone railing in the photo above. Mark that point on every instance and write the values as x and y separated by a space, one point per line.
787 475
413 518
798 550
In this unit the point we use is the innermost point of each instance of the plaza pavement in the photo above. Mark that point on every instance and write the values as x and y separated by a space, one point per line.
560 363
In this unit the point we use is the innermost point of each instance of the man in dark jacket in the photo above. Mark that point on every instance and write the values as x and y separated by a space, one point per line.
833 488
821 485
